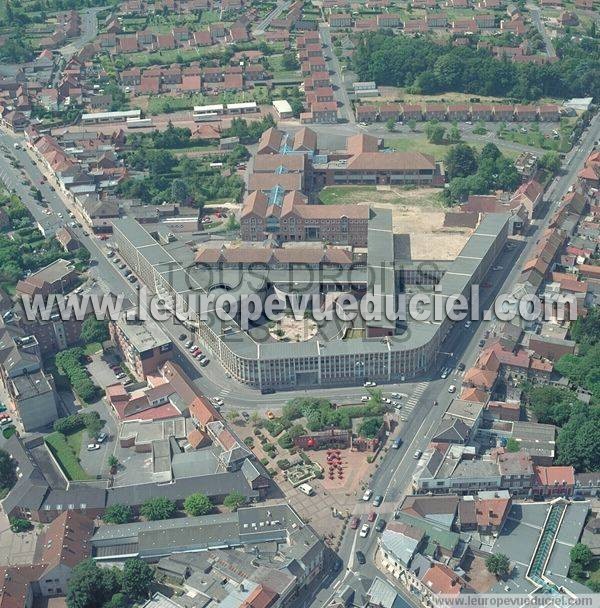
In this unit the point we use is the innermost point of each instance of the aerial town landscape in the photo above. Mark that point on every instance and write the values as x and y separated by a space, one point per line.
299 303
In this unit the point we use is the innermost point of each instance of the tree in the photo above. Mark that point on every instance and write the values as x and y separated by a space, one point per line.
390 125
498 564
370 427
137 578
113 461
234 500
91 586
118 600
582 555
117 514
454 135
8 470
461 161
197 504
412 124
94 330
550 161
180 191
435 132
157 508
289 61
233 415
18 524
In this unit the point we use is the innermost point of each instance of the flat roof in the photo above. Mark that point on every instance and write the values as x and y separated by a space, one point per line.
143 335
123 114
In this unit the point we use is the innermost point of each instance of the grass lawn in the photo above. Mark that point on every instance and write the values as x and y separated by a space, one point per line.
66 451
92 348
417 143
535 138
279 72
164 103
337 195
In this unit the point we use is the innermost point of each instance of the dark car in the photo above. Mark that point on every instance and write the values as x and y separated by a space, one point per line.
266 391
380 525
246 416
182 337
461 367
481 342
360 558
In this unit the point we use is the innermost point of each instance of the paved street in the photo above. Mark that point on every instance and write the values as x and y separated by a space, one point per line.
393 476
336 76
536 17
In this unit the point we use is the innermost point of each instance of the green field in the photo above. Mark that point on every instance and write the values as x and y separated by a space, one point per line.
166 103
66 451
279 73
397 195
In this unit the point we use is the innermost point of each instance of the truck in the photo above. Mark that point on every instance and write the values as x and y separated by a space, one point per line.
306 489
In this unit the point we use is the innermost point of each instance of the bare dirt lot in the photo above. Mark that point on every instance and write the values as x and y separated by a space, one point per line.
417 214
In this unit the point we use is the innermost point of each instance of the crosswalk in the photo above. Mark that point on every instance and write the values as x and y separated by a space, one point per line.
409 405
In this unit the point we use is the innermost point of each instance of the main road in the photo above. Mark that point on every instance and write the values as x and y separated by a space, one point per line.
392 478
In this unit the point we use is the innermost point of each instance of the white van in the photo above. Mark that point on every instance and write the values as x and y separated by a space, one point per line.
306 489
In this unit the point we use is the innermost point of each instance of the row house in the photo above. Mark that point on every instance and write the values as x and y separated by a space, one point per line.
324 112
389 20
525 113
481 111
484 21
436 19
415 26
366 113
411 111
389 111
340 20
458 112
434 111
320 94
549 112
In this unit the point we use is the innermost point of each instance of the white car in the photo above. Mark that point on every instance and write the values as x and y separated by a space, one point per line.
417 454
367 495
218 401
369 384
452 388
364 531
396 396
444 374
496 268
468 324
188 344
92 447
364 398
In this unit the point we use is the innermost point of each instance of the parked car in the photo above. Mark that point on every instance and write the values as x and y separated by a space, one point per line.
246 416
354 523
372 516
364 531
360 558
270 415
380 525
182 337
102 437
364 398
92 447
377 500
481 343
367 495
397 443
460 366
188 343
451 389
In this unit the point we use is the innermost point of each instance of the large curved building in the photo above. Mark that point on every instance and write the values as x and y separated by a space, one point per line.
388 350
